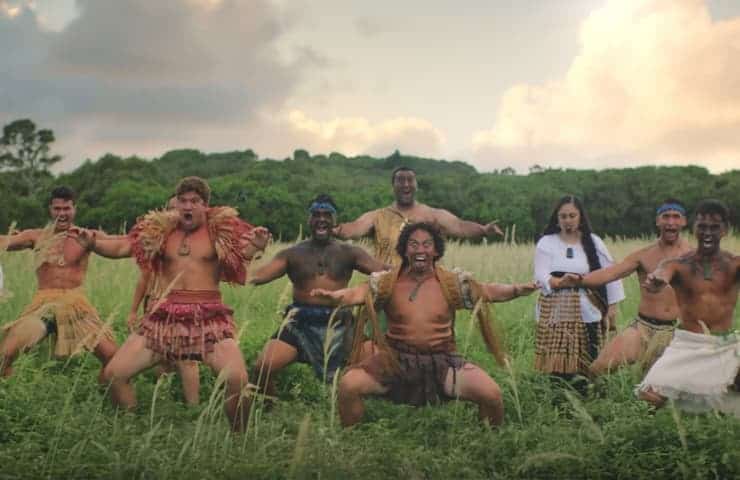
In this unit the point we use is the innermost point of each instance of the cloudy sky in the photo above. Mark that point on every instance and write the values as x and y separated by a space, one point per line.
578 83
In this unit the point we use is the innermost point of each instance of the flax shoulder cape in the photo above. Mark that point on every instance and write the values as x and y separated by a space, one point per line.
455 285
387 226
227 231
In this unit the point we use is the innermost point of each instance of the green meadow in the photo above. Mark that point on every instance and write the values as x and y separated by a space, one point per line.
56 422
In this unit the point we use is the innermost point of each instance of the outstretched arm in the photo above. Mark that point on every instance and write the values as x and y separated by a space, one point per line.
273 269
356 229
456 227
346 296
367 264
601 276
501 292
20 240
662 276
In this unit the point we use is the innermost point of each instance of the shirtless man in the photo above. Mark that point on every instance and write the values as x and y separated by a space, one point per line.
417 361
59 307
651 331
386 223
699 369
306 334
190 250
146 295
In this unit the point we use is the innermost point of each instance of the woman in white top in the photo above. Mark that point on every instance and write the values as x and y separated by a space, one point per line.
571 321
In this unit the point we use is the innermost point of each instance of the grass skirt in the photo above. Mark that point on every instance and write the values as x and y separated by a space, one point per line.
698 372
187 324
78 325
561 340
654 337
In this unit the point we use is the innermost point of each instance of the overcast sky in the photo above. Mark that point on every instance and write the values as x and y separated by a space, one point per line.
583 83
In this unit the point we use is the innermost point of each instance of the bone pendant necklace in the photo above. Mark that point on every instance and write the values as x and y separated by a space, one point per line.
415 291
184 249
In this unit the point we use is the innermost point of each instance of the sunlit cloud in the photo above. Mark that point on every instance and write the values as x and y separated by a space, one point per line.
358 135
655 81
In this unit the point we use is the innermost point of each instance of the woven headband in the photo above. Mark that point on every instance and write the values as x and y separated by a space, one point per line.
322 206
671 206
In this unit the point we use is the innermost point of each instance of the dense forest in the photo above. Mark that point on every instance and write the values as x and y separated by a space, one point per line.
113 191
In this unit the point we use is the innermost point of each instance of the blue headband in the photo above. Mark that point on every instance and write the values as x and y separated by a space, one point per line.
671 206
322 206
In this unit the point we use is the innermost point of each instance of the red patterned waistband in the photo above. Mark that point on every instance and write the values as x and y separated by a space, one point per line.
194 296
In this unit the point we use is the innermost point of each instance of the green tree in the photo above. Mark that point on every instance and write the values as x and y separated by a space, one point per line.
25 150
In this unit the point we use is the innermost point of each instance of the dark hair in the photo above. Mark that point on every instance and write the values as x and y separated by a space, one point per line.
194 184
402 168
63 192
586 239
712 206
403 240
323 198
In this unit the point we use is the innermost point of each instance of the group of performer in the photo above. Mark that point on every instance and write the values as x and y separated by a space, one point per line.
187 249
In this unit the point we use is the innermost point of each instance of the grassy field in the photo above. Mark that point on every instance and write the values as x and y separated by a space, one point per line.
56 423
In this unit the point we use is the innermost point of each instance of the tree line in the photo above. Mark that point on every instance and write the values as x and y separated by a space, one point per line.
113 191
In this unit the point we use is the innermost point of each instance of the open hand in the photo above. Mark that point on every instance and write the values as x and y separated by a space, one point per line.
322 292
259 237
493 227
653 283
83 236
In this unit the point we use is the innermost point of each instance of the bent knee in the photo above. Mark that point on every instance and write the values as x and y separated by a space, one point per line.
111 374
353 382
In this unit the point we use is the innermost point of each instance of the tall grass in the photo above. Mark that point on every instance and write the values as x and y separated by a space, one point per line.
55 422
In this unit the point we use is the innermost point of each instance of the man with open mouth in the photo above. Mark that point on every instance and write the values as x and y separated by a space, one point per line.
59 307
652 330
416 361
700 369
386 223
189 251
313 331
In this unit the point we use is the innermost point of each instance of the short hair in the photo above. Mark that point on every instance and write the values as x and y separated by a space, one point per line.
712 206
194 184
403 240
323 198
402 168
63 192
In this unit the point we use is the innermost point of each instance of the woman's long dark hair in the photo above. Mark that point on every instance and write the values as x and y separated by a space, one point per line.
586 240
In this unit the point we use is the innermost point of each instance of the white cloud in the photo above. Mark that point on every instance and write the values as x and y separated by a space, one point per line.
358 135
655 81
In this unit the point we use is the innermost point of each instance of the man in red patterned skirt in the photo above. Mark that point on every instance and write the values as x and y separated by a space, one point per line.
189 250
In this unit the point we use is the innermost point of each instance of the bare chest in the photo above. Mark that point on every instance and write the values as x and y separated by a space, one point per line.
196 247
307 263
423 301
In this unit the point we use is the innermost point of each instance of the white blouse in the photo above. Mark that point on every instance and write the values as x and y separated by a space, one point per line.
551 256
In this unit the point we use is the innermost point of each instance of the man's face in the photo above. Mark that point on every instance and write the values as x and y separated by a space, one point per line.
670 223
709 229
320 223
569 218
192 210
62 212
421 251
404 187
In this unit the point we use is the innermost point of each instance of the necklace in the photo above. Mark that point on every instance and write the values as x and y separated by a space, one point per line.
415 291
321 267
707 264
184 249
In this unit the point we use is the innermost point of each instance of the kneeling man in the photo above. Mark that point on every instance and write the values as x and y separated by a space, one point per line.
417 362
